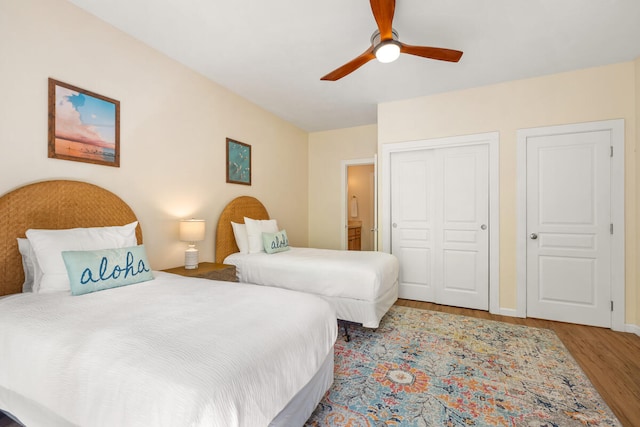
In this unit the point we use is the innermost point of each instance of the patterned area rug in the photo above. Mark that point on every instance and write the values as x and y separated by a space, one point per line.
423 368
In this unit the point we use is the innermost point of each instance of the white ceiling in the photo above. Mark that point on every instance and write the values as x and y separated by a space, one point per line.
274 52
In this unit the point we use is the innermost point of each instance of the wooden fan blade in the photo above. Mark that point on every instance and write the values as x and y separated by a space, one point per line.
383 11
350 66
432 52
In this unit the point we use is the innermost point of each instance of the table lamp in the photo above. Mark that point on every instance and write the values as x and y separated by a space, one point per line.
192 231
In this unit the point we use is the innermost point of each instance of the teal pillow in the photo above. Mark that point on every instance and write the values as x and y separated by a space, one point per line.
275 242
91 271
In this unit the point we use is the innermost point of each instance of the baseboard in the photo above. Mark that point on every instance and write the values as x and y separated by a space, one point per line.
634 329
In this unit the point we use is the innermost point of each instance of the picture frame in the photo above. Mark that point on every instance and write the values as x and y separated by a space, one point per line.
238 162
83 125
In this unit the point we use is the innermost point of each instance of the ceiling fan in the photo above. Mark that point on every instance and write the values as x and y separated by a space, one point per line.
385 45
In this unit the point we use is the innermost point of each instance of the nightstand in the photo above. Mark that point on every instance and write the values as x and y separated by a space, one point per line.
208 270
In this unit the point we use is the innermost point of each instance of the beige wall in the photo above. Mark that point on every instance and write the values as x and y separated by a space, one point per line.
173 127
174 123
581 96
327 151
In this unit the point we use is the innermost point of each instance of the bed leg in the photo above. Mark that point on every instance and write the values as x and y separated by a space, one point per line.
346 331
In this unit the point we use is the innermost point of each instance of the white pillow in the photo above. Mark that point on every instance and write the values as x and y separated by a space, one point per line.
49 244
32 271
242 240
255 228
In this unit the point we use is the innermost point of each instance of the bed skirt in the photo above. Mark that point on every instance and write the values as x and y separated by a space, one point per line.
300 408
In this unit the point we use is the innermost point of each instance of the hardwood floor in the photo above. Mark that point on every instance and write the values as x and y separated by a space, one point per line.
610 359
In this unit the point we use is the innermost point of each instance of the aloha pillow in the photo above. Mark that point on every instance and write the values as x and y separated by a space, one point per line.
48 246
275 242
91 271
242 239
255 228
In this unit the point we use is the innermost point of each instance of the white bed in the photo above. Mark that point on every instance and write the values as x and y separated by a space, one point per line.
361 285
169 352
172 351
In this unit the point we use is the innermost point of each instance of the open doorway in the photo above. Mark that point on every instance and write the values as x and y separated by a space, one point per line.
359 205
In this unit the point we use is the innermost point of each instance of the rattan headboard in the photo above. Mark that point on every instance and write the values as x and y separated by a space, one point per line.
235 211
53 205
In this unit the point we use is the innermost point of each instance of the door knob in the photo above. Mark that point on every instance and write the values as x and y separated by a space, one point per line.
533 236
483 227
394 225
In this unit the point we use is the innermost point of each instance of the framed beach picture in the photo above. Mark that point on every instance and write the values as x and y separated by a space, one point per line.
238 162
83 126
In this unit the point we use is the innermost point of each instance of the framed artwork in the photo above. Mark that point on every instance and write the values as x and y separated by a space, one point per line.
83 126
238 162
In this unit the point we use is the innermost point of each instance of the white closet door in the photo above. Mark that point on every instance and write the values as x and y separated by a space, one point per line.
412 208
439 212
462 258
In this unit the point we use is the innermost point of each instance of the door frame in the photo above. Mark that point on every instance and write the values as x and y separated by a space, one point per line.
343 197
492 139
616 127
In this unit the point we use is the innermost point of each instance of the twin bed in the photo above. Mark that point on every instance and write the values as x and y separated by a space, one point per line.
170 350
360 285
164 352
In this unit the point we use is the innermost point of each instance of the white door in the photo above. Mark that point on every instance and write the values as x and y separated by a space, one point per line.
439 213
568 220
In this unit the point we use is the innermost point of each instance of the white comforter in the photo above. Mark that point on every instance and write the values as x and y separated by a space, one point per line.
359 275
169 352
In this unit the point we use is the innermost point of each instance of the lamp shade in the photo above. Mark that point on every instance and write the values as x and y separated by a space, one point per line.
387 51
192 230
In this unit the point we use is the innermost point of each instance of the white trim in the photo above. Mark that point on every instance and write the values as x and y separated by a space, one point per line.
376 236
521 225
616 127
617 217
345 188
492 139
633 329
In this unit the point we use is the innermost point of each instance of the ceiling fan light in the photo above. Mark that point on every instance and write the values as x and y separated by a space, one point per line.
387 51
